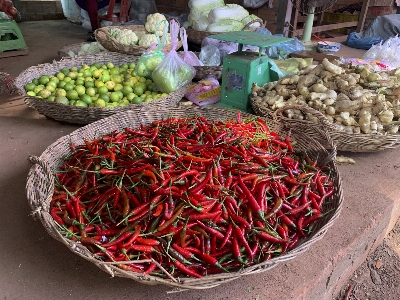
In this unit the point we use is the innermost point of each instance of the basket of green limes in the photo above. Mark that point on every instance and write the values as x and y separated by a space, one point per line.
87 88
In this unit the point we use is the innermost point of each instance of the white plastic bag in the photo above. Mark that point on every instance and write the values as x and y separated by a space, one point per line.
388 51
172 73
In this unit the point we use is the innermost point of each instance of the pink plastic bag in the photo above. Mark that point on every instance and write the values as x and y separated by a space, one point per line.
188 56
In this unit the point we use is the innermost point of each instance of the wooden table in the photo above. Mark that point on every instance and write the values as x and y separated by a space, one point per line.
316 56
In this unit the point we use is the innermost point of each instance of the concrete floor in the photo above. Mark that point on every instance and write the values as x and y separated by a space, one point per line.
35 266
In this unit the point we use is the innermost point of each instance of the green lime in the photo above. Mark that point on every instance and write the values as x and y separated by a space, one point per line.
72 95
80 89
100 103
118 87
124 103
86 98
68 86
126 90
38 88
115 97
137 100
60 75
30 86
50 88
65 71
62 100
80 103
74 69
91 91
104 97
44 79
51 98
54 79
61 84
80 82
31 93
61 92
89 84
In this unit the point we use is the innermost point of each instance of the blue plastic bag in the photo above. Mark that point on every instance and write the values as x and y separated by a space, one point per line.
365 43
282 51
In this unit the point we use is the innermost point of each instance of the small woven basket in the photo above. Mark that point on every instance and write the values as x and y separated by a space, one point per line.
104 37
7 86
84 115
40 185
360 142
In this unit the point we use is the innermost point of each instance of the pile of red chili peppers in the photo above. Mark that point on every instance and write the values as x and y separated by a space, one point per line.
192 196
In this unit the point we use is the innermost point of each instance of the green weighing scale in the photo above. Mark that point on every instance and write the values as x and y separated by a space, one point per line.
243 68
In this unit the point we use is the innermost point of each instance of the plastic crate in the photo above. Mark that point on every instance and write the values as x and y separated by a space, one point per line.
339 17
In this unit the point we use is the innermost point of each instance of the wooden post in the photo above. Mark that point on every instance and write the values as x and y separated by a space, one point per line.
363 14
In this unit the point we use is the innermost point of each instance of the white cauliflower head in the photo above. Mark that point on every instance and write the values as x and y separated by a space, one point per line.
152 22
148 39
127 37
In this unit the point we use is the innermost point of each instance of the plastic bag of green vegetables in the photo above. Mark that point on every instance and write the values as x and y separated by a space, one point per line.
149 60
172 73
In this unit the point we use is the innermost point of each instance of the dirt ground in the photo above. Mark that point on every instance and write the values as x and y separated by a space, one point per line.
378 278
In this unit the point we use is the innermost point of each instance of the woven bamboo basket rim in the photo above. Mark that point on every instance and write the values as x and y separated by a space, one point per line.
197 36
104 37
84 115
40 186
352 142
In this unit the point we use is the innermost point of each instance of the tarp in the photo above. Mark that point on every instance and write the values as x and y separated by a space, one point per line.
383 26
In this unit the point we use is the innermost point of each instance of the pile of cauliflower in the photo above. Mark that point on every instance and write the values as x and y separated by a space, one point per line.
356 99
129 37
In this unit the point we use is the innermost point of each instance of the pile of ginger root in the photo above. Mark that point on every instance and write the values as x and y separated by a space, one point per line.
355 99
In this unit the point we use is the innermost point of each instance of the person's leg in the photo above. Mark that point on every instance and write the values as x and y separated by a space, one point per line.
92 9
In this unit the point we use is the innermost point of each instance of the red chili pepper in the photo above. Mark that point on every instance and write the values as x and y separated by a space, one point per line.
181 267
252 201
56 217
145 241
240 236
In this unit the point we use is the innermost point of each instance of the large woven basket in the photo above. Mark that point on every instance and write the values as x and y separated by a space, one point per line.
74 48
84 115
104 37
197 36
344 141
40 185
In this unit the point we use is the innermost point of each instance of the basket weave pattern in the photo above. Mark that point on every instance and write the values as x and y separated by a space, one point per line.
40 184
84 115
104 37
